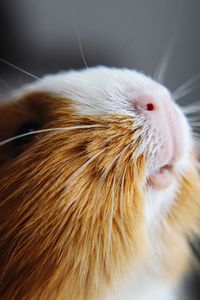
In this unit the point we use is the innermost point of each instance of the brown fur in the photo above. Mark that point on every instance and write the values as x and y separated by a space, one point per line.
61 234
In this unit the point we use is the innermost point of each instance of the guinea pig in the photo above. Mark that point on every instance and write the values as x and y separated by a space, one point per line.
99 189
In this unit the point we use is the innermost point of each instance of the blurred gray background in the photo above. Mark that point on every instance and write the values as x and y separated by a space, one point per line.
44 36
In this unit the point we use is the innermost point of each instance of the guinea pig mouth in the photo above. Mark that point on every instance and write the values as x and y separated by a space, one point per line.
161 178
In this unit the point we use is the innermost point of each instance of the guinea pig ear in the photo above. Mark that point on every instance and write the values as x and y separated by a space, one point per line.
17 117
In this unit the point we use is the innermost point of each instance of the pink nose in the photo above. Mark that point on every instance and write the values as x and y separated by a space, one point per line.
145 103
163 116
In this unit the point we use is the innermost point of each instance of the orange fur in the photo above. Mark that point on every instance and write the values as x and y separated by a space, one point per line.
66 233
55 227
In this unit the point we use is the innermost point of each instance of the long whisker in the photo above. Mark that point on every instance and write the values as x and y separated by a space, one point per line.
103 176
119 155
196 141
19 69
194 118
196 135
195 123
109 237
191 109
121 202
50 84
118 159
121 192
85 103
79 43
161 69
187 87
47 130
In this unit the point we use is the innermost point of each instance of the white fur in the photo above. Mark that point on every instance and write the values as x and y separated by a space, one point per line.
140 286
99 90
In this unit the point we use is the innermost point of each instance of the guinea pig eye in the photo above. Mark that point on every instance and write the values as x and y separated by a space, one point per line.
26 128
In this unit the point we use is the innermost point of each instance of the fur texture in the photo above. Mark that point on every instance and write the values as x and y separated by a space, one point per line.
77 214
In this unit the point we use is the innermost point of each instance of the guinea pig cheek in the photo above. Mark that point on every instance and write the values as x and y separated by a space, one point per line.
168 139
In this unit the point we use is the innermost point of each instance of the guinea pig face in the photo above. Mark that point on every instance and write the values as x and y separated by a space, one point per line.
163 134
99 155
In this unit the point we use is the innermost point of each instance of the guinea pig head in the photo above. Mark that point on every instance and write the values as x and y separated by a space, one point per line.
96 166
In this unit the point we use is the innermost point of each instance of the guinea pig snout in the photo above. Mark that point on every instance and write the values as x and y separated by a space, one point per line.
146 103
166 128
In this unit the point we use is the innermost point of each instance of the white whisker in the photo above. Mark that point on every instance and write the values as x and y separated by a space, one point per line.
119 157
19 69
197 143
79 43
109 242
121 205
48 130
161 69
104 175
187 87
193 118
121 191
50 84
85 103
195 123
196 135
191 109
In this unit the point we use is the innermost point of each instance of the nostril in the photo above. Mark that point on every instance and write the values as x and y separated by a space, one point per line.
150 106
145 103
